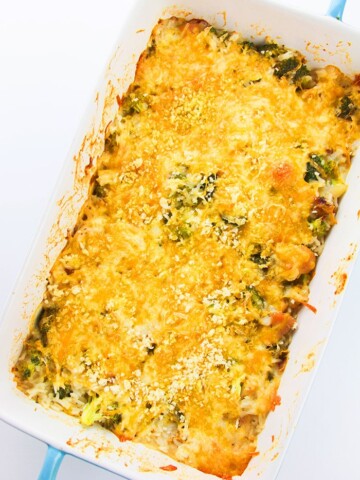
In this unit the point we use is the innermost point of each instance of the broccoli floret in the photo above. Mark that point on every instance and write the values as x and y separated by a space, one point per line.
43 322
319 227
326 164
188 191
91 412
256 299
303 71
30 364
270 50
27 373
311 174
180 232
346 108
135 102
192 191
27 369
246 45
220 33
318 159
285 66
303 78
111 422
35 359
64 391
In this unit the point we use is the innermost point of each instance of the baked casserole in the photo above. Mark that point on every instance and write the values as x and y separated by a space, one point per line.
168 315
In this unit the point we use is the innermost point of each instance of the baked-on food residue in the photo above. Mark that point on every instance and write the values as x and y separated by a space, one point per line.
168 315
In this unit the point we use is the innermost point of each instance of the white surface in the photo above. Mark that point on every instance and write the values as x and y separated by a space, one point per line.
50 61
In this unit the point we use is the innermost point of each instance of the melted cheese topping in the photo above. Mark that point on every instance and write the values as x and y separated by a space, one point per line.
168 315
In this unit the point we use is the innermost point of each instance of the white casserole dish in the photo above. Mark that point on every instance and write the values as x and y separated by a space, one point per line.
20 412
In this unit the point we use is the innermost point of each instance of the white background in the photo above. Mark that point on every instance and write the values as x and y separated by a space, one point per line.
51 56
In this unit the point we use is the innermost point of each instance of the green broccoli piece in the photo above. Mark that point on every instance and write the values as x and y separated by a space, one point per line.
135 102
311 174
346 108
91 412
318 159
285 66
270 50
27 372
319 227
303 78
327 165
256 299
220 33
35 359
111 422
193 191
246 45
64 391
29 364
43 322
180 232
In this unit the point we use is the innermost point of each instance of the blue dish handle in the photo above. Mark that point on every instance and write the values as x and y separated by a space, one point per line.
51 464
336 9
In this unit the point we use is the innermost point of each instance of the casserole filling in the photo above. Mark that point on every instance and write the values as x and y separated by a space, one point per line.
168 315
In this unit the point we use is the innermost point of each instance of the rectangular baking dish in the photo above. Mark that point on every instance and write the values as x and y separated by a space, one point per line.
323 40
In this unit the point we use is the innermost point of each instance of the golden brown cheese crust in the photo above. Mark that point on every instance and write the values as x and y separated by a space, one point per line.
168 315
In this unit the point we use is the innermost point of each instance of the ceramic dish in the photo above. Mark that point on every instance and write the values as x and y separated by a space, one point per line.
323 40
